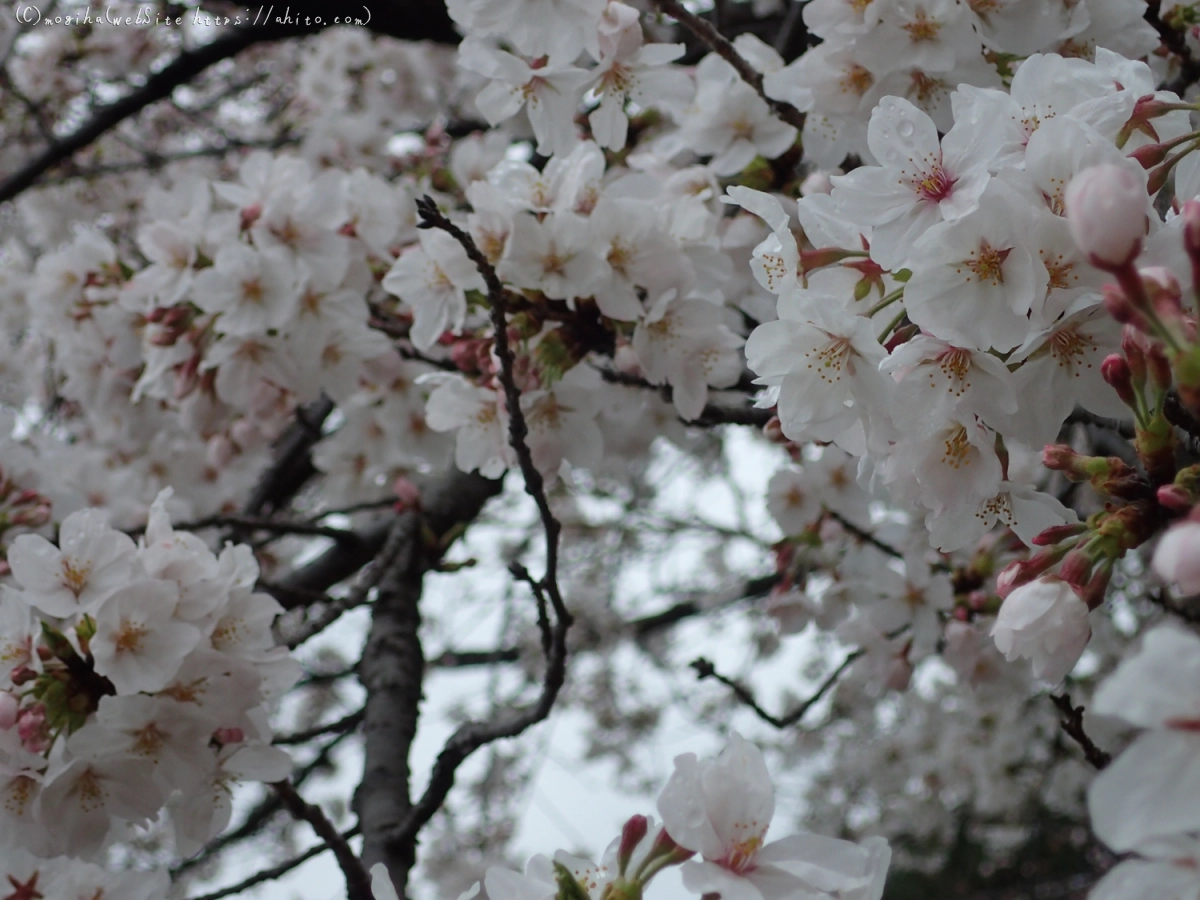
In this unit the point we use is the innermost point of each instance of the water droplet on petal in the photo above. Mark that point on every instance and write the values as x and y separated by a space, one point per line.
905 128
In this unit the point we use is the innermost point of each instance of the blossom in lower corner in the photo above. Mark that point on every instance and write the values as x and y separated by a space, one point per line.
722 809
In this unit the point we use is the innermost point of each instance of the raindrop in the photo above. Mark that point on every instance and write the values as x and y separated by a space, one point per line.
905 128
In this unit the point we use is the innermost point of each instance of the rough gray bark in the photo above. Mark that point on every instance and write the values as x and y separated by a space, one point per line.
392 665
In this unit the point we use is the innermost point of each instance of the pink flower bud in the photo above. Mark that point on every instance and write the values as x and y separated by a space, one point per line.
229 736
9 706
1177 557
1106 211
1121 309
631 835
1190 216
1058 533
1115 371
250 215
1174 497
408 495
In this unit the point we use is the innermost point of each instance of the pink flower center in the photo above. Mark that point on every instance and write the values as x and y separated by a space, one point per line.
936 185
741 856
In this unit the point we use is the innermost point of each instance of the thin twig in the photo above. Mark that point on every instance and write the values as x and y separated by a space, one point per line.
470 736
358 882
863 535
705 669
346 723
721 45
275 871
1072 724
255 523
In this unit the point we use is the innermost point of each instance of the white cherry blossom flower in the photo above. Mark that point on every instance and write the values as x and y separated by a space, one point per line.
169 734
550 92
1146 799
919 183
1177 556
432 280
252 290
80 802
91 562
685 344
820 364
556 256
138 645
1046 622
722 809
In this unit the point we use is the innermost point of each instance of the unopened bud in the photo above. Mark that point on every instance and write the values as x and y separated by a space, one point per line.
1158 367
408 495
773 431
250 215
23 675
1119 306
1174 497
1133 343
631 835
1076 568
1106 212
1115 371
1093 592
1150 155
1057 533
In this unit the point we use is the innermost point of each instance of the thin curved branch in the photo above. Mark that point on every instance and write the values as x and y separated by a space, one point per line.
472 735
358 882
705 669
275 871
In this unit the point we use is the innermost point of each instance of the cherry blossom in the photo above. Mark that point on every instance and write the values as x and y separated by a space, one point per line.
1045 622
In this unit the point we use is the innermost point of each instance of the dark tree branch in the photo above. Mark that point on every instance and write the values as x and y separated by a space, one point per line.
469 737
253 523
293 460
705 669
719 44
392 665
863 535
275 871
346 723
713 414
410 19
358 882
1072 724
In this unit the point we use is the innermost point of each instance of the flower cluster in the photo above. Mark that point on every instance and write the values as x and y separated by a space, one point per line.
135 676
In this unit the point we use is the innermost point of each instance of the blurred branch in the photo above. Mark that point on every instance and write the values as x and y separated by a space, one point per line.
345 724
358 882
705 669
719 44
1072 725
411 20
276 871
